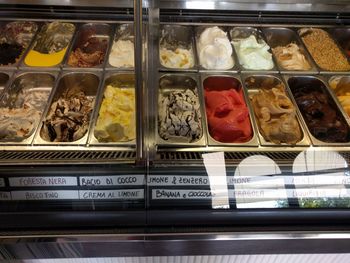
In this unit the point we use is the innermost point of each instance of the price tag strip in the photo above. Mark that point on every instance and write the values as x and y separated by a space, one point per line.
104 187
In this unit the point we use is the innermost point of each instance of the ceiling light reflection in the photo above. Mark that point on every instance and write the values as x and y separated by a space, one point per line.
200 5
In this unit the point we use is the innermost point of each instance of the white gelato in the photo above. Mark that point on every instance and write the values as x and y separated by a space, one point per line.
178 58
122 54
253 55
214 49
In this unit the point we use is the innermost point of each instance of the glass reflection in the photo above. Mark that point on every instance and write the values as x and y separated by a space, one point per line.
263 190
216 169
320 178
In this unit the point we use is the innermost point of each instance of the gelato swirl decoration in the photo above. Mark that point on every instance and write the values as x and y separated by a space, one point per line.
214 49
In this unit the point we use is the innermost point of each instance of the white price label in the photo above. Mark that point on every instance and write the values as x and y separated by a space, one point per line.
129 194
321 193
44 195
166 180
242 195
166 194
43 181
137 180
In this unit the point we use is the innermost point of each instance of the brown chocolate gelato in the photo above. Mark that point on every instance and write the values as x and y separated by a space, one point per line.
321 115
90 53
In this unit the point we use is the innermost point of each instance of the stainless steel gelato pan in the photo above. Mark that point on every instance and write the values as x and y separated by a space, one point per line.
214 50
324 119
275 114
67 120
115 122
229 120
342 37
50 45
90 46
15 38
180 116
328 56
253 53
122 50
22 105
176 48
289 52
340 87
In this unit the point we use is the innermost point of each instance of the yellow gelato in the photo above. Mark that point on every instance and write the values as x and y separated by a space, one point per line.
37 59
341 87
116 120
50 45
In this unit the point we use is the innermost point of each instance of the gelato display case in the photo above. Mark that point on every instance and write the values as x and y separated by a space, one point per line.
156 127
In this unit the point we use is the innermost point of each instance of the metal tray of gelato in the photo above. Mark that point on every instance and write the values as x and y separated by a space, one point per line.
322 116
177 48
289 52
253 53
15 38
340 89
342 37
121 55
50 45
90 46
115 120
180 120
229 120
214 50
68 118
324 50
275 114
22 104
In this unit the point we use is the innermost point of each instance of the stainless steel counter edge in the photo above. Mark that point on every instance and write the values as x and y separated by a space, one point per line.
75 246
